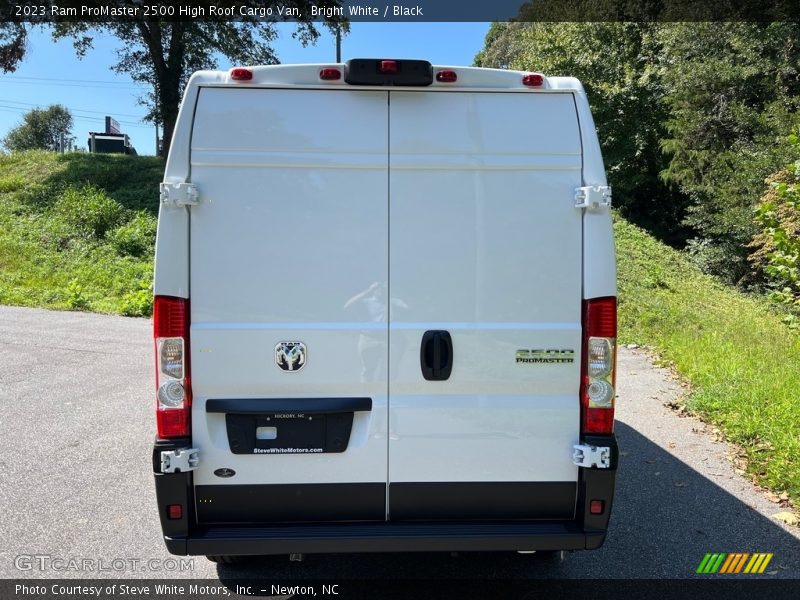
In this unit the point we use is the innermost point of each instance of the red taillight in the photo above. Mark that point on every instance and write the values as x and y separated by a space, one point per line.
446 76
533 80
601 317
241 74
596 507
330 74
175 512
169 316
388 66
172 423
598 365
173 380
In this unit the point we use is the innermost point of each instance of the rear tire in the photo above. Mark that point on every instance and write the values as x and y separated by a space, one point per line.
226 560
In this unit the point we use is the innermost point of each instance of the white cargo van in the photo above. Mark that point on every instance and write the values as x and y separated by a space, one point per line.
385 313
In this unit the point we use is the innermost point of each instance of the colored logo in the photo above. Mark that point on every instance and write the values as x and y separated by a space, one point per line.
734 563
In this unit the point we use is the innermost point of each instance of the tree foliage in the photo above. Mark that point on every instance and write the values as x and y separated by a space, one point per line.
618 66
12 45
41 129
162 55
689 116
732 95
777 243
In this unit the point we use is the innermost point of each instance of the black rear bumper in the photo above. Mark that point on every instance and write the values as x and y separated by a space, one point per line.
386 537
185 536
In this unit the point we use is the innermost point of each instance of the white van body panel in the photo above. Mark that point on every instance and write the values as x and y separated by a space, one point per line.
172 259
356 219
599 266
486 245
292 226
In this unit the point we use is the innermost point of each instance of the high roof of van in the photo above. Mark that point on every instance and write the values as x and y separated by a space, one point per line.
338 75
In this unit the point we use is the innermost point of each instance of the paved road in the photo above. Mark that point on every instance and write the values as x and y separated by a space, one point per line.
76 426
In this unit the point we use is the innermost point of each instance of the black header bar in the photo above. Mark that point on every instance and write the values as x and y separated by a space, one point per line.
43 11
265 581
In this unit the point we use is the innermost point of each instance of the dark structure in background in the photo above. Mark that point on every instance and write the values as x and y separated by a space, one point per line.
112 140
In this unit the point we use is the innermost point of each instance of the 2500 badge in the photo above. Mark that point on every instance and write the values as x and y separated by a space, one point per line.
552 355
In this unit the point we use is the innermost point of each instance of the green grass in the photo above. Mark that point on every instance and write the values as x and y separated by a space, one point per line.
742 362
77 231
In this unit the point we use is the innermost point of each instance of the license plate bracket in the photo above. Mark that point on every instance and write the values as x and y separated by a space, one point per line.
288 433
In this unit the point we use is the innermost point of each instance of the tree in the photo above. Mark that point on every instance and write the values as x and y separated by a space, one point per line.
163 54
732 91
41 129
690 117
617 63
12 45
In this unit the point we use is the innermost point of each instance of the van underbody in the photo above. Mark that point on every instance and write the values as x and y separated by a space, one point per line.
385 314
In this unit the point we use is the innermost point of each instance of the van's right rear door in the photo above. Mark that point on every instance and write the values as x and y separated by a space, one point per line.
486 281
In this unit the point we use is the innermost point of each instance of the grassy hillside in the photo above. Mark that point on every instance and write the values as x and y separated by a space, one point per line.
77 230
742 361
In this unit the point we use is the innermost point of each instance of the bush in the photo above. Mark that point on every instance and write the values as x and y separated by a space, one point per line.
89 211
11 183
76 299
136 237
138 303
777 245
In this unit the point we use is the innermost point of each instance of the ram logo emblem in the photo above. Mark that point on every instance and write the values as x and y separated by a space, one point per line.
290 356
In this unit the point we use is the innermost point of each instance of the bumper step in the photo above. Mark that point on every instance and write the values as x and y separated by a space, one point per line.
386 537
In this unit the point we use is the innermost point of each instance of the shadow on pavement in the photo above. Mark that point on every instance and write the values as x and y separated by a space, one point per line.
665 518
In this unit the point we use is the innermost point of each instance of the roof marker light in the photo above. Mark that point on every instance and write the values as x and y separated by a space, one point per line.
446 76
388 66
330 74
241 74
533 80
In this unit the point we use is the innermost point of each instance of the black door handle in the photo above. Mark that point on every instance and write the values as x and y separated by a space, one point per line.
436 355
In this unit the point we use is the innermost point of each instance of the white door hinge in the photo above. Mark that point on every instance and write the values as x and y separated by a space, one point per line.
181 460
178 194
593 196
591 456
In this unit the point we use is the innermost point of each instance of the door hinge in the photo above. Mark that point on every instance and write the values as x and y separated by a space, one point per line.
178 194
593 196
589 457
181 460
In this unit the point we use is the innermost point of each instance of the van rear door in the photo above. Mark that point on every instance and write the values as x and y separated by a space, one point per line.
485 287
419 250
289 310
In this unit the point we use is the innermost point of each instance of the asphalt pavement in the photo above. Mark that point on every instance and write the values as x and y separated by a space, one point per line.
77 498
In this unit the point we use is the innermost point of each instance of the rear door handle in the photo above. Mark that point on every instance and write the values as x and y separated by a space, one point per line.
436 355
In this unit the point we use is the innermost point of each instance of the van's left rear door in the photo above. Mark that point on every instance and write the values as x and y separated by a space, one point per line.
289 244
